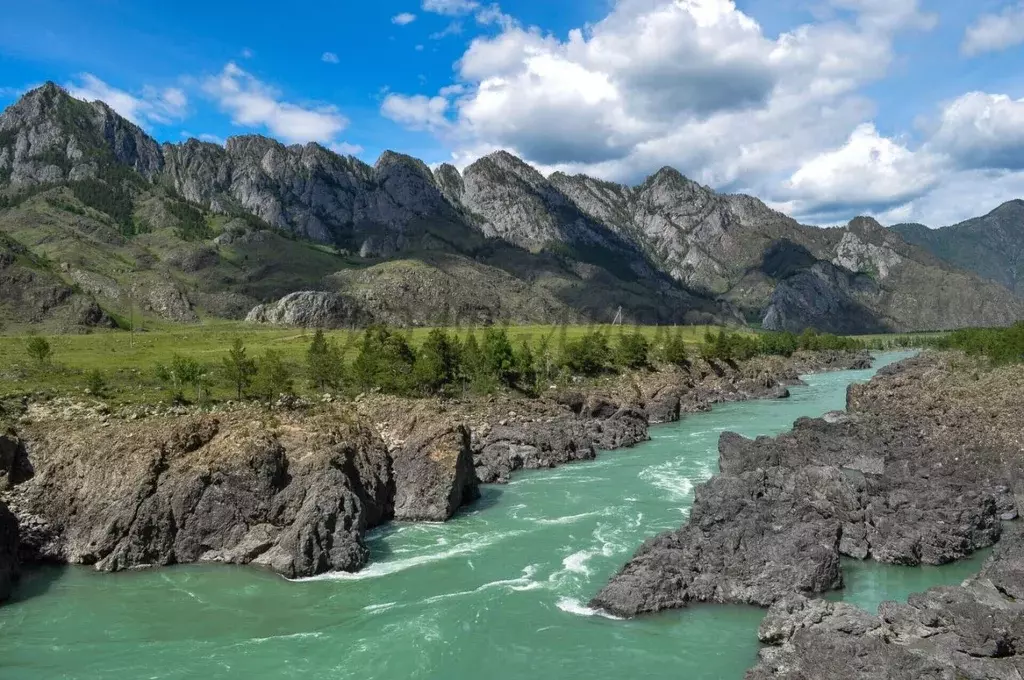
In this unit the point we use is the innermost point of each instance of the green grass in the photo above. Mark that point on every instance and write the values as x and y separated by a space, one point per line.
128 361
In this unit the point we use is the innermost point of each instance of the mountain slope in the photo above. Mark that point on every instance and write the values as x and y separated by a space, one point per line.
991 246
186 231
859 278
192 230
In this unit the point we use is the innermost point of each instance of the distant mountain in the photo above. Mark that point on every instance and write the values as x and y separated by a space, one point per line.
991 246
191 230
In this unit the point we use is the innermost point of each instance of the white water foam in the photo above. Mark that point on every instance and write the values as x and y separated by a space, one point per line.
289 636
569 519
577 562
669 478
571 605
378 569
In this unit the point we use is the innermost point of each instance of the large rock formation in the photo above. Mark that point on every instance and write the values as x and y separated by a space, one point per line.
293 492
975 630
311 309
920 471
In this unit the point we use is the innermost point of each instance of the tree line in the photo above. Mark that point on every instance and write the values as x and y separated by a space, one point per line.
445 364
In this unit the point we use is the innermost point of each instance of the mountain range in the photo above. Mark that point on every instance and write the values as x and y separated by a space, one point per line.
97 220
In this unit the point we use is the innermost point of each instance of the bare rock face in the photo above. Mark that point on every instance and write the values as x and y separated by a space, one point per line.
311 191
311 309
52 137
434 474
199 489
293 493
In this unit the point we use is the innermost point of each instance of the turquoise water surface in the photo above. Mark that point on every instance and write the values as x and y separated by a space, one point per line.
500 591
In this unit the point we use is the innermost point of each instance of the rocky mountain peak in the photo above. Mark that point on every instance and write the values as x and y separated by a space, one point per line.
865 225
449 181
49 136
390 160
1010 209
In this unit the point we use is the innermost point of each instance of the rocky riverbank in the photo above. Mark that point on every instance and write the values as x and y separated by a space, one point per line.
975 630
294 488
921 469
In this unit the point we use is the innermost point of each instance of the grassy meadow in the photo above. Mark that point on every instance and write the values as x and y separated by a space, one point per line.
128 361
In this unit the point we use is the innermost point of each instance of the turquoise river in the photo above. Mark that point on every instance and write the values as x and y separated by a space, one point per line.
499 592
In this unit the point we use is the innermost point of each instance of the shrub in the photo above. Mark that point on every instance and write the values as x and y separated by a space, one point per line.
1000 345
95 383
633 350
588 355
39 350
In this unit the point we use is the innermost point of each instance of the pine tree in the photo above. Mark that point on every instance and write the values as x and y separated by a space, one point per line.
323 361
239 369
273 376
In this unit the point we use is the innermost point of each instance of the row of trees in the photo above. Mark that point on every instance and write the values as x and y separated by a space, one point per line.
1000 345
484 362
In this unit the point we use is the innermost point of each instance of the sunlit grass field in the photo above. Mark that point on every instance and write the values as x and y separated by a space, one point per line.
128 361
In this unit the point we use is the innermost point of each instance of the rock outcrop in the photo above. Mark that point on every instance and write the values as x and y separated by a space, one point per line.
975 630
311 309
293 492
920 471
32 294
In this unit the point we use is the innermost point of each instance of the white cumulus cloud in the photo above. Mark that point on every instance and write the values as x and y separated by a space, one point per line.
696 84
995 32
418 112
252 103
330 58
152 105
403 19
868 170
982 131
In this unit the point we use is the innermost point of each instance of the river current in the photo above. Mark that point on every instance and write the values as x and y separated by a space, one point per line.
499 592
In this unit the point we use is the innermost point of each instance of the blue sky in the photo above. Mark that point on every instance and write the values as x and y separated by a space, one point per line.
903 109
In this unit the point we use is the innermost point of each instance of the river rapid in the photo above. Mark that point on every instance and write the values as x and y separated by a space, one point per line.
499 591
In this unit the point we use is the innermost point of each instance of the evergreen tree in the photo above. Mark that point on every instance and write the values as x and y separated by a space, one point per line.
588 355
526 368
437 363
385 361
498 356
633 350
239 370
323 362
676 352
273 377
471 364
